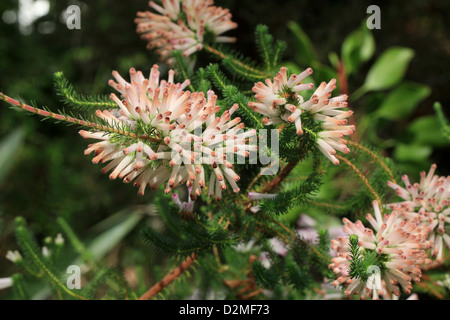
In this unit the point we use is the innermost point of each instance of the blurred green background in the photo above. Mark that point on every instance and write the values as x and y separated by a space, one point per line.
43 172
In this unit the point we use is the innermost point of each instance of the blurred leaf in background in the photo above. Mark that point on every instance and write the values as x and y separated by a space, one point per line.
358 47
388 70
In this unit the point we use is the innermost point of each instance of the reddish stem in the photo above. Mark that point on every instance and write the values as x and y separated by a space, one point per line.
61 117
168 279
343 85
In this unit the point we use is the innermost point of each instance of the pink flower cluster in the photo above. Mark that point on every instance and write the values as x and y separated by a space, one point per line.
188 141
183 25
281 101
399 242
429 202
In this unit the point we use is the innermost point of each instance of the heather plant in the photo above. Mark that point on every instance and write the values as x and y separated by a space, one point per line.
252 172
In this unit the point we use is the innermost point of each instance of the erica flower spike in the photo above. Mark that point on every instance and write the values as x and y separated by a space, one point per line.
396 246
183 25
429 201
281 101
177 138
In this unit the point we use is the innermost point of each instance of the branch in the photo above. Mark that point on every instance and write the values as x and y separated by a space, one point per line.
168 279
240 68
280 177
72 120
374 157
65 89
362 177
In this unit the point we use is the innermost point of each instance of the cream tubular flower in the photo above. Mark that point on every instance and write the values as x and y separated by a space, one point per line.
183 25
429 201
399 245
280 101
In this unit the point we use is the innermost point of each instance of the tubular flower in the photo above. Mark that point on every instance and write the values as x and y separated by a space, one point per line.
185 207
174 136
429 200
280 101
398 245
183 25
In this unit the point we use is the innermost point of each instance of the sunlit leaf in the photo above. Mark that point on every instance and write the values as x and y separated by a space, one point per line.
389 69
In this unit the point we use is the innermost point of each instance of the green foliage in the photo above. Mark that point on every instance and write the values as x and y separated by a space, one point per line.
231 95
239 66
307 56
270 54
297 276
298 196
246 69
39 265
20 287
357 269
186 236
361 261
442 120
71 98
113 281
266 278
297 147
74 240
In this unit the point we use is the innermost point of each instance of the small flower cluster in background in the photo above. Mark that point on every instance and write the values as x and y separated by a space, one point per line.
183 25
